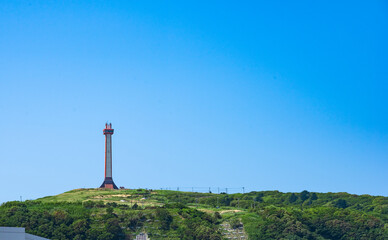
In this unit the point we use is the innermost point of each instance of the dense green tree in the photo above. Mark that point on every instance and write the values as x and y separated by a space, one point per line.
314 196
292 198
113 227
235 223
109 211
304 195
80 226
164 217
217 215
106 236
259 197
341 203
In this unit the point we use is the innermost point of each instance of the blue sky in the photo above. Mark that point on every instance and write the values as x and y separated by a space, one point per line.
262 95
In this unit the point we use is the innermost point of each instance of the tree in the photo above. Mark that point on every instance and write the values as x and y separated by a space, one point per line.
106 236
292 198
78 237
109 211
112 226
60 217
80 226
235 223
88 204
314 196
304 195
164 217
258 197
112 204
341 203
99 204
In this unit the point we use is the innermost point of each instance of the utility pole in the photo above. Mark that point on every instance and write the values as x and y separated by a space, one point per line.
243 190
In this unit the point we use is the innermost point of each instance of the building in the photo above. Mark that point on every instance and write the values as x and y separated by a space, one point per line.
17 233
108 181
142 236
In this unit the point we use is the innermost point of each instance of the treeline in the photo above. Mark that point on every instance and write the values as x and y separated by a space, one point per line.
366 203
313 223
304 215
96 220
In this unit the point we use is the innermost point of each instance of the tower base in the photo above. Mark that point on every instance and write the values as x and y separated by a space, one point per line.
108 183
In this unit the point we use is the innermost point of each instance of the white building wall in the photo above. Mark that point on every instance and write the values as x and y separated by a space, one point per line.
33 237
16 233
12 233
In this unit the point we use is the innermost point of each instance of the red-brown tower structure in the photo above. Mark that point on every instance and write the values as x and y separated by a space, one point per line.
108 181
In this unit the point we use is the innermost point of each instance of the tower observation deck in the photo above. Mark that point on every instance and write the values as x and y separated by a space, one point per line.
108 181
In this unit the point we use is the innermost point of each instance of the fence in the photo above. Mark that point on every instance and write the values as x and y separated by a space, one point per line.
217 190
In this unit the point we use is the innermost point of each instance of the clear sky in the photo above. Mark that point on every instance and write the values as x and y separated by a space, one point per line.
270 95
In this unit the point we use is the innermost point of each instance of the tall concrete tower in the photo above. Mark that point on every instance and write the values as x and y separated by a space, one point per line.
108 182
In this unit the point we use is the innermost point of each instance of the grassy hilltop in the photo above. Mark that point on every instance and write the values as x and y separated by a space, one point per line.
163 214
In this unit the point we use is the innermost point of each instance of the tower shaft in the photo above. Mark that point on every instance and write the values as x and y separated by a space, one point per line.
108 155
108 181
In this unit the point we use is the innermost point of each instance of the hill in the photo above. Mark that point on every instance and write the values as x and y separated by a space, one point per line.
163 214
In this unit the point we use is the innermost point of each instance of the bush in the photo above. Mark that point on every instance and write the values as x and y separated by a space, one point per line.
235 223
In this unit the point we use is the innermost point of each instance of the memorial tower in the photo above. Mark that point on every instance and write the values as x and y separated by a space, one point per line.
108 181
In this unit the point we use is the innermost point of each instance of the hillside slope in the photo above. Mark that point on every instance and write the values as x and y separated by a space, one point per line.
122 214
